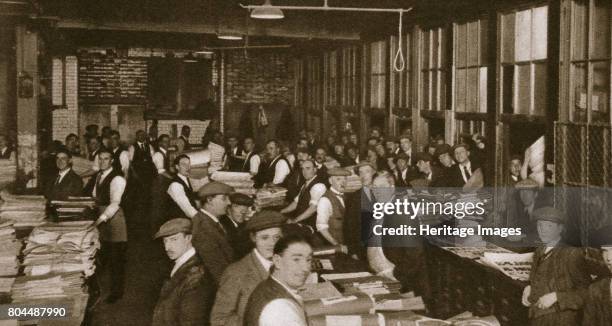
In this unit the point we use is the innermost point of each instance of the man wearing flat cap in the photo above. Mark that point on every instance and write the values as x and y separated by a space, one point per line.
210 239
558 280
187 296
233 223
242 277
331 208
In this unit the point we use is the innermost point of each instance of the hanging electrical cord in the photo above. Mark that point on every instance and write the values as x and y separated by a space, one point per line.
399 63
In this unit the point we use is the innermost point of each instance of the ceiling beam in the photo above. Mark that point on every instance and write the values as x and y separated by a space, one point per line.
280 29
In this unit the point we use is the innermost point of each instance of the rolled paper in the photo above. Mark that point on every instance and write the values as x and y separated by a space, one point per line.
200 157
346 305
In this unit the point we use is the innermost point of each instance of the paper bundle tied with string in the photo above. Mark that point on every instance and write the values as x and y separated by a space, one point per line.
534 166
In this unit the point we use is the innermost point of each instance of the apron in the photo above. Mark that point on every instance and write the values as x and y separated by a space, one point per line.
115 229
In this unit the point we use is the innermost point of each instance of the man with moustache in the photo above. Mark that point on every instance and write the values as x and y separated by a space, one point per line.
187 296
276 171
276 301
242 277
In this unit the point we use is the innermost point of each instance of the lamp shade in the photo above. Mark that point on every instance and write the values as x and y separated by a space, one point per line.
229 36
267 11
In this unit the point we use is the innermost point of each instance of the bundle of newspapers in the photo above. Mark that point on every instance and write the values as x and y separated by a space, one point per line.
242 182
403 318
25 211
61 247
216 156
49 286
8 171
74 208
270 197
353 183
9 249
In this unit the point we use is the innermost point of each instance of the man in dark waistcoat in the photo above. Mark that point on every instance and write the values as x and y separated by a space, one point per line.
276 300
233 160
187 296
331 208
276 171
303 207
67 183
252 160
182 199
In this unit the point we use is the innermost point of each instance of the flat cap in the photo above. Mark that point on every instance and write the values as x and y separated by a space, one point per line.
173 227
422 156
548 213
526 184
338 172
442 149
241 199
215 188
264 220
464 145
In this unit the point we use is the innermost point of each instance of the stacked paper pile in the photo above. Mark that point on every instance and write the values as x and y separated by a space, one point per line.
6 284
72 209
370 285
49 286
61 247
353 183
80 165
270 196
24 210
241 181
8 171
9 249
515 266
216 156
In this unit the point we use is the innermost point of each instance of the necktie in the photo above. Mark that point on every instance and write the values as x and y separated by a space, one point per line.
57 181
467 172
189 184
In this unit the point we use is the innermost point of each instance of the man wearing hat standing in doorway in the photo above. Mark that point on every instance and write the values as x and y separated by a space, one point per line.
558 279
242 277
187 296
210 239
233 223
332 208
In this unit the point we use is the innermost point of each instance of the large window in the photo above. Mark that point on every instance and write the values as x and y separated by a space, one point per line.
314 84
524 42
433 65
378 74
330 73
401 81
470 66
348 75
590 61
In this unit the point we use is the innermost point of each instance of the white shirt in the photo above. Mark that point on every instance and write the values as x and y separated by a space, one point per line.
182 260
325 211
62 174
282 311
462 167
117 187
124 160
158 160
290 158
514 177
266 263
254 162
316 192
281 171
178 195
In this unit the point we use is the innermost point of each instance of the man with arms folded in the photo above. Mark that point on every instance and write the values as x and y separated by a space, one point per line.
242 277
276 301
186 297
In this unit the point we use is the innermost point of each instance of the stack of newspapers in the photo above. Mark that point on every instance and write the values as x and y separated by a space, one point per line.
25 211
48 286
8 171
74 208
242 182
9 249
270 197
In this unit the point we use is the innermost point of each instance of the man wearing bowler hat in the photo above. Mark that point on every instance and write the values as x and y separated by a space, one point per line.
233 223
210 239
187 296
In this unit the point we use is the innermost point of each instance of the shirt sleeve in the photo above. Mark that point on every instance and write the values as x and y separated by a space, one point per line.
158 161
124 159
281 172
117 187
254 164
177 193
316 192
96 163
131 151
324 211
282 312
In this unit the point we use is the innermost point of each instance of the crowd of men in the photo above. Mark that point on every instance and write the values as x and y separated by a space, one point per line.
235 265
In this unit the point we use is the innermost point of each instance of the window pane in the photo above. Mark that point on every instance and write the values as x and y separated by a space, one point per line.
484 42
539 33
460 91
473 43
435 47
508 22
461 39
442 88
523 36
523 89
579 80
434 90
425 55
483 90
508 89
580 31
540 89
601 29
601 92
472 89
426 89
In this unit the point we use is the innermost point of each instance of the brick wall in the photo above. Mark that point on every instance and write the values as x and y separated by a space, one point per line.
66 121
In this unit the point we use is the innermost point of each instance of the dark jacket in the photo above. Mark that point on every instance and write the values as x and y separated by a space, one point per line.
264 293
212 245
237 236
186 298
455 177
71 185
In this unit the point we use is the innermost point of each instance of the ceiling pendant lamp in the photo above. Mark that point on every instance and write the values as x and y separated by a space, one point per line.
229 36
267 11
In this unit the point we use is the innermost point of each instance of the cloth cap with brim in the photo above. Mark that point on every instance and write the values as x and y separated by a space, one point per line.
338 172
550 214
421 156
173 227
241 199
264 220
442 149
526 184
215 188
